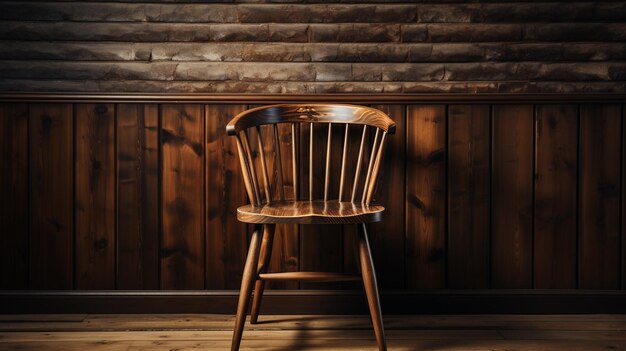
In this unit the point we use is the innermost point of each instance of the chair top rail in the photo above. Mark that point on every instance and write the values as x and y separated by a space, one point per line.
311 113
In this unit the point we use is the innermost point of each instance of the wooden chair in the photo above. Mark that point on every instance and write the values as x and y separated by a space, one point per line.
352 204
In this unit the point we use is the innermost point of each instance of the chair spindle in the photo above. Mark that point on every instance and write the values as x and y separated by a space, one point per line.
357 172
295 130
243 160
327 175
374 176
253 175
266 178
311 162
343 162
279 165
368 175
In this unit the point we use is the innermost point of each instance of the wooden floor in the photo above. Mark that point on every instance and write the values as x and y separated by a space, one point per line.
213 332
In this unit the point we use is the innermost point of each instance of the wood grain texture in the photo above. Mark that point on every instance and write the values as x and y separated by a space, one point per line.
156 332
387 236
51 155
14 196
309 276
226 244
182 199
469 182
416 325
300 47
310 212
556 168
311 113
94 198
425 196
512 189
138 196
599 187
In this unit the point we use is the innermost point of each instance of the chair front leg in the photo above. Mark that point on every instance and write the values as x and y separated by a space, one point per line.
248 278
371 287
264 262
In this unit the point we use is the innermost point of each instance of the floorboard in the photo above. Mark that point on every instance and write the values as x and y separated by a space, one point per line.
213 332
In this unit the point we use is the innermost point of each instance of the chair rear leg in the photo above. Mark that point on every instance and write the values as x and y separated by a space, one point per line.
371 287
249 275
264 261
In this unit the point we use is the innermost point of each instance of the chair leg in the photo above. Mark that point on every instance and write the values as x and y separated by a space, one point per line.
249 275
264 261
371 287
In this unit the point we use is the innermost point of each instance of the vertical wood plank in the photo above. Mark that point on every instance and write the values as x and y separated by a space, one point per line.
556 168
623 186
94 201
512 189
599 212
51 196
226 244
182 203
425 196
14 196
138 196
387 237
321 246
469 171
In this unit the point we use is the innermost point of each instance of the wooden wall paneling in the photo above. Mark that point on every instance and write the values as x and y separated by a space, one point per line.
66 196
512 196
623 188
226 237
137 196
94 196
469 183
387 237
599 187
14 196
556 176
350 257
182 202
51 155
286 251
321 246
425 196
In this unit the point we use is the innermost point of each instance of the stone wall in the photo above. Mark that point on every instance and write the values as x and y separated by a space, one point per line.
300 47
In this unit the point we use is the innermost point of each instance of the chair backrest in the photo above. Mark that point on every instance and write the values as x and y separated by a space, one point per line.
320 126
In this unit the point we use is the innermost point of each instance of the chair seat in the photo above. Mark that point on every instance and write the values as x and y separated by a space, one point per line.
311 212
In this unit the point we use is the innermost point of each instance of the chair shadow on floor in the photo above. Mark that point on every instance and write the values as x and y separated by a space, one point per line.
465 333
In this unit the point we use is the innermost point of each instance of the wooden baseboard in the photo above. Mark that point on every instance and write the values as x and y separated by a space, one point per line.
317 302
